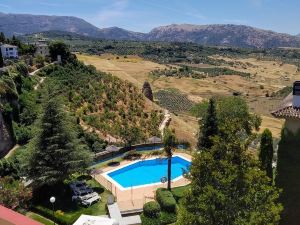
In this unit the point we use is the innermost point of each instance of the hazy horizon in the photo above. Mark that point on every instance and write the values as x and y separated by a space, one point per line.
143 16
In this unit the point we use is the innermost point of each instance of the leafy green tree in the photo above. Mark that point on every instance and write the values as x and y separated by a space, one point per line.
169 141
10 168
56 152
13 194
227 187
231 111
266 152
208 127
1 60
59 48
147 91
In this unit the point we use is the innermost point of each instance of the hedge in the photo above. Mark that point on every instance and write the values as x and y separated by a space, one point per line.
149 221
167 218
166 200
57 218
151 209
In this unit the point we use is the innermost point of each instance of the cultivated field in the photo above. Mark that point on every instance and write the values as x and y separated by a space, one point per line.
266 77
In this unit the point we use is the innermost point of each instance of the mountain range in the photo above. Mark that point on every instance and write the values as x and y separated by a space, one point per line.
219 34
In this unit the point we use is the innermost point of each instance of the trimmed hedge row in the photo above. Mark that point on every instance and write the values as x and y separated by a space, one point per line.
47 213
151 209
166 200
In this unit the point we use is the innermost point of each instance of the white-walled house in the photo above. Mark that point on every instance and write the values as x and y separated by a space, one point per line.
9 51
290 110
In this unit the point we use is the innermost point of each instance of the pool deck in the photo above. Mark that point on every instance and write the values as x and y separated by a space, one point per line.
134 198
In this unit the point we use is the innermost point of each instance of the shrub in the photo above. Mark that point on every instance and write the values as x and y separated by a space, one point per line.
149 221
151 209
166 200
167 218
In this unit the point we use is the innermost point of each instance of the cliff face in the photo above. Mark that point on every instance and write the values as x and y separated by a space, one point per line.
7 140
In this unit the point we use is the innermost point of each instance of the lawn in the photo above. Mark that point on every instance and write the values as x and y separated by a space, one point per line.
39 218
66 211
288 179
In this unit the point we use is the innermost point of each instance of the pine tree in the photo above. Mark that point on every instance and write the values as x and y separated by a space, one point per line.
266 152
1 60
147 91
228 188
208 127
56 153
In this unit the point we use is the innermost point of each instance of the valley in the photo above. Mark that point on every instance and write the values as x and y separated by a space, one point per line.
267 77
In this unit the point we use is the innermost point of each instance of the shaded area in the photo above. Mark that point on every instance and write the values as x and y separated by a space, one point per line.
288 177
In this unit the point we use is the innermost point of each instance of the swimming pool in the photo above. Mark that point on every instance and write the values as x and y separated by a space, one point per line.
147 172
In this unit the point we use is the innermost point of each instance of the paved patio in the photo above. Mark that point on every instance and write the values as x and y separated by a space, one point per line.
135 198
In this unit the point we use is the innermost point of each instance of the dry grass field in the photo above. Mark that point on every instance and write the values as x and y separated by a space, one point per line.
266 77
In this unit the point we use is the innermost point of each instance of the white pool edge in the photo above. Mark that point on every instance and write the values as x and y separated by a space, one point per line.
105 174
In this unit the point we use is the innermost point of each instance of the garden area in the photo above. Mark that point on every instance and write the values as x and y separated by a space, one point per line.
66 211
163 211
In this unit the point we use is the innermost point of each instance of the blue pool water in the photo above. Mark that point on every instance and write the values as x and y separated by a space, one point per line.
148 171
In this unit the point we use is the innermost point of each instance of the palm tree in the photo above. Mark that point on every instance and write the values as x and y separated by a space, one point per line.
169 144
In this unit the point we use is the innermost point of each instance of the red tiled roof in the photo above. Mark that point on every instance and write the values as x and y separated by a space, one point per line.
8 216
287 110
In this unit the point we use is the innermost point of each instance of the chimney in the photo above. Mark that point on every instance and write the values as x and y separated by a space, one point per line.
296 94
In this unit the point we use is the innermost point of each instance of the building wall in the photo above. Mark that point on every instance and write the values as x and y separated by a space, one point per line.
42 50
11 53
293 125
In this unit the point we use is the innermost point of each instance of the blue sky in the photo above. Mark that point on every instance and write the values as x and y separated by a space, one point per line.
143 15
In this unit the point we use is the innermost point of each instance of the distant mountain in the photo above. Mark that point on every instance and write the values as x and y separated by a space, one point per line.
226 35
20 24
220 35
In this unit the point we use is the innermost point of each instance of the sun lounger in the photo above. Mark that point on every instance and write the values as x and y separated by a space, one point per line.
90 201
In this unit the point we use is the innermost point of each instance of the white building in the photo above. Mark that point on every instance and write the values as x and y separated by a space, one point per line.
9 51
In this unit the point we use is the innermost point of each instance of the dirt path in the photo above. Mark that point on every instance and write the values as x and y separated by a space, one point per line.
165 123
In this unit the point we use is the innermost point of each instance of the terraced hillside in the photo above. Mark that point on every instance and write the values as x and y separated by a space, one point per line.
103 103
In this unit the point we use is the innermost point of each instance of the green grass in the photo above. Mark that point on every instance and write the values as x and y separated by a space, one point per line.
66 211
288 179
39 218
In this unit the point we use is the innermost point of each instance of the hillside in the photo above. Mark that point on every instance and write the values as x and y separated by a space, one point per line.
224 35
219 35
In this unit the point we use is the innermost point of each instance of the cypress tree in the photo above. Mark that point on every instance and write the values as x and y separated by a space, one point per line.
208 126
2 37
1 60
56 153
266 152
147 91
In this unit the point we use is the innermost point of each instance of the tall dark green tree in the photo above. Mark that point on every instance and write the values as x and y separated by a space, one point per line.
2 37
1 60
208 127
56 152
169 141
266 152
227 187
147 91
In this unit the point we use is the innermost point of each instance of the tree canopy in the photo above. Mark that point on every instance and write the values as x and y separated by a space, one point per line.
147 91
266 152
227 187
208 127
56 153
59 48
